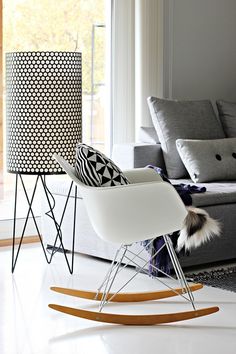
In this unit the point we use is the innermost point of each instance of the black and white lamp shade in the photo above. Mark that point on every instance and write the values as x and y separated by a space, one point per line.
43 110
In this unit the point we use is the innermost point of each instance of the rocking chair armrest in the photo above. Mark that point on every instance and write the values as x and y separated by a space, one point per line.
135 175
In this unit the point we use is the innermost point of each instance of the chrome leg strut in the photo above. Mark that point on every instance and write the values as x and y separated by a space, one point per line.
179 268
108 288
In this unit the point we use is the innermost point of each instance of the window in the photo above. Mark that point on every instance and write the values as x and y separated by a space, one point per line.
61 25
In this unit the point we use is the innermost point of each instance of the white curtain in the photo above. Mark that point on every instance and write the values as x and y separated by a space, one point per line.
136 62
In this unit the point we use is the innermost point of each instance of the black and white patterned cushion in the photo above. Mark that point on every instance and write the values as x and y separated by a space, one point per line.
95 169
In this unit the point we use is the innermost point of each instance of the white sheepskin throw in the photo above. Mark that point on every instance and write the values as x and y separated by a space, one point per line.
198 228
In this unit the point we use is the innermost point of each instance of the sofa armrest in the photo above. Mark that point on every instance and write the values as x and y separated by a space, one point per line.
142 175
136 155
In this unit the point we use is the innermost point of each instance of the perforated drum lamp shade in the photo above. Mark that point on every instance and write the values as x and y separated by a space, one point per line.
43 117
43 110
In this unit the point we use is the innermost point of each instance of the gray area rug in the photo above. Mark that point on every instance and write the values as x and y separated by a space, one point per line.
224 278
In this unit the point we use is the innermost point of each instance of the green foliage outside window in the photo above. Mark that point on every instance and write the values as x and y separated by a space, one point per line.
57 25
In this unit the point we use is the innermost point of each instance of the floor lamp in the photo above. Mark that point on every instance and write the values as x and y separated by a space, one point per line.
43 117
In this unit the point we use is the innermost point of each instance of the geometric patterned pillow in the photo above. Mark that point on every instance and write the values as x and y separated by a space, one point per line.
95 169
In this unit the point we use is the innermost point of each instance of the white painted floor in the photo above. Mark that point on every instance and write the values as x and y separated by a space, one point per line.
28 326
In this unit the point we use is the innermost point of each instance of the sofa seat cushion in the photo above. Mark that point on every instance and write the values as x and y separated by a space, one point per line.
216 192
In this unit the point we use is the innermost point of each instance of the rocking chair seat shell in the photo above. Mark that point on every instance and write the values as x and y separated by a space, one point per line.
144 209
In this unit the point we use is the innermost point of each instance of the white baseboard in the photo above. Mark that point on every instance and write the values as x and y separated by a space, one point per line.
6 227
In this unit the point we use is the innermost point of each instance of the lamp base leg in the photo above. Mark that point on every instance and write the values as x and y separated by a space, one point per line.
50 213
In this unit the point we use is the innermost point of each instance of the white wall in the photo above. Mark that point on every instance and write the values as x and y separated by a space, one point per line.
200 49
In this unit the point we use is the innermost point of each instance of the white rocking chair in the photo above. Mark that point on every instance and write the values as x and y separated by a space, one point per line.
145 209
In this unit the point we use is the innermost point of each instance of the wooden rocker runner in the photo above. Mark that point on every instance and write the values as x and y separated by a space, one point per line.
130 297
134 319
117 222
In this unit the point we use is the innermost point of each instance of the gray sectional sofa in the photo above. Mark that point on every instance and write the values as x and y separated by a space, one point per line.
209 141
219 200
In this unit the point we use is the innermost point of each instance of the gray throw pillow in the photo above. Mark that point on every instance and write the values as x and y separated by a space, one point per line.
182 120
209 160
227 113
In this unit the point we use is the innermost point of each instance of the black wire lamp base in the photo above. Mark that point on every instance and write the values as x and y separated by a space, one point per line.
51 204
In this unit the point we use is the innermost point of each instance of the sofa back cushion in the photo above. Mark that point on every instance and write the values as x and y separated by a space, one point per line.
148 135
174 120
94 168
227 114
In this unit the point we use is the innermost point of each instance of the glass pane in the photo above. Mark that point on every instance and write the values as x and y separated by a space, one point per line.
62 25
